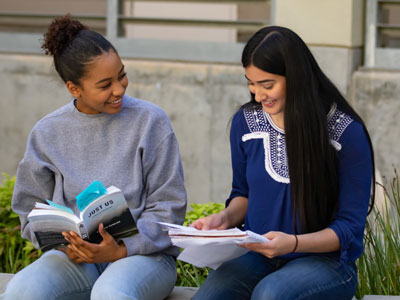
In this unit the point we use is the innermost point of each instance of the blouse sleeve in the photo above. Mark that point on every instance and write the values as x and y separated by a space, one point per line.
355 172
238 157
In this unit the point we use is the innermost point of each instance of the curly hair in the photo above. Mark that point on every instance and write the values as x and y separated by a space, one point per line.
73 46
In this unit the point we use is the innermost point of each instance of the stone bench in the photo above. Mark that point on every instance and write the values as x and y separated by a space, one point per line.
186 293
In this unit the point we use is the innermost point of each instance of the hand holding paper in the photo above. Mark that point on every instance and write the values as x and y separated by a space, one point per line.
210 248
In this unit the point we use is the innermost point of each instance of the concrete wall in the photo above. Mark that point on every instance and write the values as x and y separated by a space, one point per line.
198 98
375 95
338 63
334 31
324 22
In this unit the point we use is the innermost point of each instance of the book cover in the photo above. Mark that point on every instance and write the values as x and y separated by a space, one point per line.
49 221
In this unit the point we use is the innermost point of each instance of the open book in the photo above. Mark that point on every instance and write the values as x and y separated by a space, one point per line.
111 209
210 248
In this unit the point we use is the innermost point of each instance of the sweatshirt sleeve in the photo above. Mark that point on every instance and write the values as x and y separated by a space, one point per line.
34 183
355 172
165 199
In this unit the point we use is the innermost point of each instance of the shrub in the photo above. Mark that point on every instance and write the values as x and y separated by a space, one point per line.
379 265
15 252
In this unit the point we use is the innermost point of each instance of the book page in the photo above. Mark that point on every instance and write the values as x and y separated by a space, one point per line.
48 226
190 231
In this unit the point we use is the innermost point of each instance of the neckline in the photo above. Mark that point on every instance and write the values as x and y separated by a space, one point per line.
276 127
83 115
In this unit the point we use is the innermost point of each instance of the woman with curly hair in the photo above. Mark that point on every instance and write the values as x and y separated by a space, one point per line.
105 135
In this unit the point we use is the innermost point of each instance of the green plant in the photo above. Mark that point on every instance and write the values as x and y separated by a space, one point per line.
379 265
15 252
200 210
189 275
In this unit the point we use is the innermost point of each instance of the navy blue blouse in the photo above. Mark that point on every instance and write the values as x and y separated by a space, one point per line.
261 174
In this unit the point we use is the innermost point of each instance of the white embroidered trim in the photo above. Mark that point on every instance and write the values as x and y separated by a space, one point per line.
336 145
254 135
273 123
332 111
337 124
268 161
261 126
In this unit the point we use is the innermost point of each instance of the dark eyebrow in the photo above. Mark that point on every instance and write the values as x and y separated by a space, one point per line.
261 81
107 79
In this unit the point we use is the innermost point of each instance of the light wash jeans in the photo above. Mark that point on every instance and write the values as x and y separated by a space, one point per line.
55 276
256 277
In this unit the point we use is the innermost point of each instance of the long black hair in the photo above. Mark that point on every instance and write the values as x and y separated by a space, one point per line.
313 166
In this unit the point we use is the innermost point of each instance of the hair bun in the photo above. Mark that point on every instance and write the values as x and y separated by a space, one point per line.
60 34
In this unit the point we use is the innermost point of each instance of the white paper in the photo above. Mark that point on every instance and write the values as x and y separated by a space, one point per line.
212 255
210 248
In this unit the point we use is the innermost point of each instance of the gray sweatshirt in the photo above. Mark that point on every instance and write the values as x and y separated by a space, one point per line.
134 150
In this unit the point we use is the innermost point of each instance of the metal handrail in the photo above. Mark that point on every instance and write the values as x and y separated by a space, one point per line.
198 22
141 48
15 14
376 56
388 26
240 24
211 1
389 1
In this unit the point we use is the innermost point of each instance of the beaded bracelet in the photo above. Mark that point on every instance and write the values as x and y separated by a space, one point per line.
297 242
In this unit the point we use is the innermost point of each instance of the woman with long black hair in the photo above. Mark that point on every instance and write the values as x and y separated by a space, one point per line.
303 166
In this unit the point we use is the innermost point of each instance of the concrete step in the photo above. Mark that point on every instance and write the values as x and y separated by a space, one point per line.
4 278
186 293
182 293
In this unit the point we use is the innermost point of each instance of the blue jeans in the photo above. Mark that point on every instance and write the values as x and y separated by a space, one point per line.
254 276
55 276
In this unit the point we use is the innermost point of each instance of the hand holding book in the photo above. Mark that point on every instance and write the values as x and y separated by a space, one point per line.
82 251
109 208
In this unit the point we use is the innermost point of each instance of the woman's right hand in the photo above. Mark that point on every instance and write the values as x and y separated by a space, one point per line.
217 221
71 255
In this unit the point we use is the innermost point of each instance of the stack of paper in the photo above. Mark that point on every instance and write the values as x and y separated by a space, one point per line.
210 248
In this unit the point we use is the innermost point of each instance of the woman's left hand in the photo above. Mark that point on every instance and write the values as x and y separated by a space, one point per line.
279 244
107 251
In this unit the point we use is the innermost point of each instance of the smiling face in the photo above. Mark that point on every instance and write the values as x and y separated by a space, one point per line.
269 90
102 87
